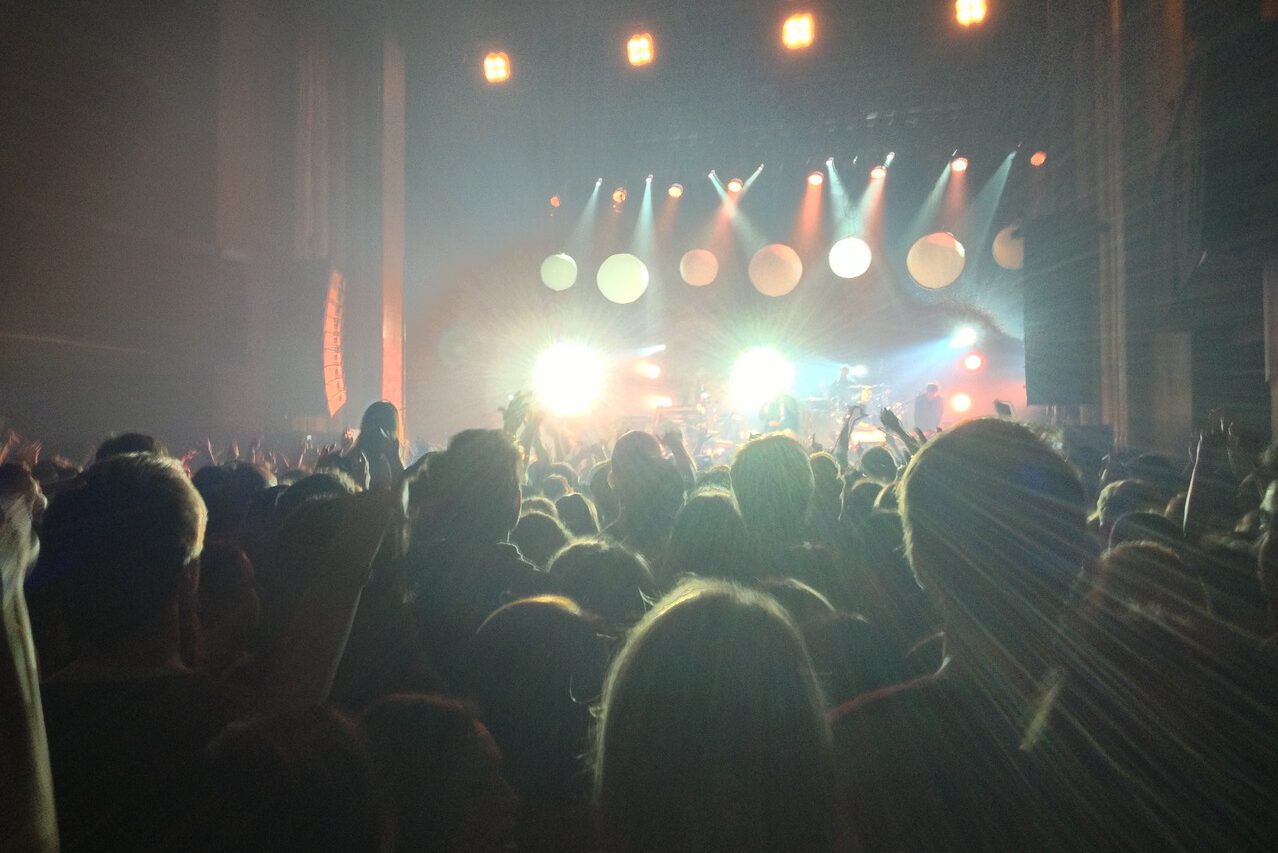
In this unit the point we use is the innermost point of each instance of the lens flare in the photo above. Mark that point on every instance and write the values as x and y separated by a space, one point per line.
758 377
798 31
497 67
961 402
568 378
640 50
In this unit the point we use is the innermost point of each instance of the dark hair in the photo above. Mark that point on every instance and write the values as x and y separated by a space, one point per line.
538 536
128 442
727 750
381 417
120 542
537 503
709 538
602 493
1146 527
605 578
1144 574
878 464
554 486
577 512
472 489
772 480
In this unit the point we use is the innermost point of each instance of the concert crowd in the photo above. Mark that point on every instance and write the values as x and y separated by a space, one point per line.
980 638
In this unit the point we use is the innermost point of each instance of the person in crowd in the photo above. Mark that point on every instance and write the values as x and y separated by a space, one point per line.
1146 527
878 465
538 537
577 512
229 608
859 500
649 492
129 442
728 750
537 503
128 718
603 494
441 772
928 408
1119 499
827 500
773 483
554 487
709 539
379 446
605 578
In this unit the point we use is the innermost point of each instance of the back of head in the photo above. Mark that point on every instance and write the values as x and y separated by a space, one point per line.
1145 574
860 499
729 749
299 781
554 486
1123 497
605 578
995 528
709 538
120 542
1146 527
772 479
878 464
472 488
538 536
381 418
128 442
578 514
636 460
602 493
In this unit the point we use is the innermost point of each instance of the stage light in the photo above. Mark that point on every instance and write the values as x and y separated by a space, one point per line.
619 195
964 336
598 182
858 370
675 191
798 31
735 185
960 402
816 179
887 161
970 12
1038 158
568 378
660 401
878 173
559 272
958 165
640 49
497 67
973 361
850 257
759 376
554 201
648 369
648 179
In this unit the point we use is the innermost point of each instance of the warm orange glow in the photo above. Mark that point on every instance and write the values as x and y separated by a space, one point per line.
554 201
675 191
959 164
878 173
816 179
961 402
497 67
1038 158
973 361
648 370
640 49
660 401
970 12
735 185
798 31
619 195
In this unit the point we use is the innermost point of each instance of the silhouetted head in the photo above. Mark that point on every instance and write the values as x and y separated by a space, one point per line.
577 512
538 537
605 578
878 465
709 538
472 488
772 480
129 442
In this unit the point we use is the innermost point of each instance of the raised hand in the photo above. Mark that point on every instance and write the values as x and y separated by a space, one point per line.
890 421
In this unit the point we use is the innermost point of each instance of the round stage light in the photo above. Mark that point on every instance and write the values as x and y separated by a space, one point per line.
699 267
969 13
622 278
648 369
798 31
555 201
775 270
559 272
568 378
850 257
973 361
675 191
878 173
965 336
858 370
619 196
1038 158
497 67
936 260
640 50
759 376
1009 248
735 185
958 165
816 179
961 402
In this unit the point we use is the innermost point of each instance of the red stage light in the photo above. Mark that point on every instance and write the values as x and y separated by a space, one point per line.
970 12
1038 158
878 173
816 179
554 201
619 195
497 67
640 49
959 164
973 361
735 185
798 31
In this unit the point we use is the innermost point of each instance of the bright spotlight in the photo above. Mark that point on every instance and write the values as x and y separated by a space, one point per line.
619 195
497 67
660 401
554 201
878 173
798 31
816 179
958 164
858 370
735 185
568 378
887 161
675 191
648 369
648 179
640 50
1038 158
960 402
973 361
598 182
964 336
969 13
760 375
